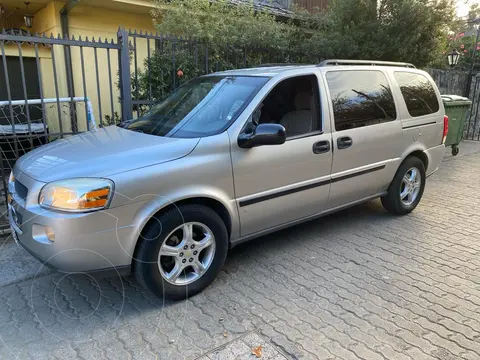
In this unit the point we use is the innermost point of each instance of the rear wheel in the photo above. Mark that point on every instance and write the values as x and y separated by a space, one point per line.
406 189
181 251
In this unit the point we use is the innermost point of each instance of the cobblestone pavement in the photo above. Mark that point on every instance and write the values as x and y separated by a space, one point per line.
361 284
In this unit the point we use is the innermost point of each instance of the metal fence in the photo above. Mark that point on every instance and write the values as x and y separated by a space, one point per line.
161 63
472 126
54 87
454 82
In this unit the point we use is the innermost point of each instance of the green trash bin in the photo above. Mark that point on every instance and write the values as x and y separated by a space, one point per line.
456 108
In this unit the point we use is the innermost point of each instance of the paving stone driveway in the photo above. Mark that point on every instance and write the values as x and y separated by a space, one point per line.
361 284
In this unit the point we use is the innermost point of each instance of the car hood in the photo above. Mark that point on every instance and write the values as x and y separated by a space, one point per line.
101 153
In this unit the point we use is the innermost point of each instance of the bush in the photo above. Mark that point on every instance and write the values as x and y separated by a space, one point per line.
218 23
162 75
238 36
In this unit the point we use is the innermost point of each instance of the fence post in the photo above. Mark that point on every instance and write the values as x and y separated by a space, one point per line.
124 74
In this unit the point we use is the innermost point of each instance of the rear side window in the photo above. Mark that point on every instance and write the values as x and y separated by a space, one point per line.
360 98
418 93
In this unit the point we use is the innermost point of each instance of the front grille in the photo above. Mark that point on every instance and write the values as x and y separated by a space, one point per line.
21 190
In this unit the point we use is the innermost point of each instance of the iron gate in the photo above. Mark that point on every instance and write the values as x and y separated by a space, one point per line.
46 95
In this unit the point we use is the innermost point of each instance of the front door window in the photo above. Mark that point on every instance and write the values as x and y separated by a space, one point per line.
293 103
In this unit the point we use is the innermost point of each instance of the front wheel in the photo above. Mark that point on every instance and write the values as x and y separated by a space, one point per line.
181 251
407 187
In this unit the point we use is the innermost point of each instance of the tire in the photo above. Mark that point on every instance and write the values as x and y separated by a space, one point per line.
157 273
455 150
393 201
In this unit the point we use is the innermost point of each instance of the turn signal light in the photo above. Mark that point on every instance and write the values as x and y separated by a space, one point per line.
94 199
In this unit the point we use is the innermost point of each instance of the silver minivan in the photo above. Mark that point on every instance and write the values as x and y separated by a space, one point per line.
224 159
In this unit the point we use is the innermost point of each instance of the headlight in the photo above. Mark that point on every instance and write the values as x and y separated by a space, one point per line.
77 195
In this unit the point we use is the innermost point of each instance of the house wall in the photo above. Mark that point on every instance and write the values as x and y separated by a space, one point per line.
93 22
44 22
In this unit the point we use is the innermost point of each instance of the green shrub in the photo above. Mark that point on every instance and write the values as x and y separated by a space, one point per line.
238 36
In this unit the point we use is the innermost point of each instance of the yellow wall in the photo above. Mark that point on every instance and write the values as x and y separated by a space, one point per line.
99 23
44 22
92 22
47 19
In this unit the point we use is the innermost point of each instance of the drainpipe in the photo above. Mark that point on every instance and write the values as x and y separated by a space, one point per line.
68 59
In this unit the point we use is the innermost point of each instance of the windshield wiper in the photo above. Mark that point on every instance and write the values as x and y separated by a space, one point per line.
124 123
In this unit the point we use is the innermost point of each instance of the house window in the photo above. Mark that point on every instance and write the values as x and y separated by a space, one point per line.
16 90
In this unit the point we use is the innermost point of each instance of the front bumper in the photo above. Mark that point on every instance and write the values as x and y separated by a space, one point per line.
86 242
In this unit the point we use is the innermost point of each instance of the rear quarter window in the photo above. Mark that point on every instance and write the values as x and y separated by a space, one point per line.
418 92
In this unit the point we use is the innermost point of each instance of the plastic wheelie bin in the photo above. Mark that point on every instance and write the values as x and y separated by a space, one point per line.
456 108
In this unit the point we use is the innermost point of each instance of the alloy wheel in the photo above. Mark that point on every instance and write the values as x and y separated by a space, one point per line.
410 186
187 253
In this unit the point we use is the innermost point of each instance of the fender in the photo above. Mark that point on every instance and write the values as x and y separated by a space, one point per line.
158 203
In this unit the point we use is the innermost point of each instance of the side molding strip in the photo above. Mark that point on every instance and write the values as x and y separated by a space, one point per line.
418 125
306 187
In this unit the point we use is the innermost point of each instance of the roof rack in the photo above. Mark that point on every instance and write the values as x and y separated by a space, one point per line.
364 62
280 64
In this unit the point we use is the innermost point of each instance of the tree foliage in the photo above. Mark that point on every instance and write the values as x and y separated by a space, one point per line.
236 35
402 30
395 30
463 40
219 23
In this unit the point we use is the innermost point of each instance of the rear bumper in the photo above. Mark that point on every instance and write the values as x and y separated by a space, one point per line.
435 157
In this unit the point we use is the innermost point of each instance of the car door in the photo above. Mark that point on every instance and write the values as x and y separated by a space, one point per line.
365 133
278 184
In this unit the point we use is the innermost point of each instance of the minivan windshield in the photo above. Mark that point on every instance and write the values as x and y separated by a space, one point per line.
203 107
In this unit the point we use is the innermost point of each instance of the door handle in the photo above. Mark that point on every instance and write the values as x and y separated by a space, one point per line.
344 142
321 147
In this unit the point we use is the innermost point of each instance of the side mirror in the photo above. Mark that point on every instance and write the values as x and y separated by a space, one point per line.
263 134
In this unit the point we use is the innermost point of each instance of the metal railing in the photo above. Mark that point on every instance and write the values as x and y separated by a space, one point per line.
162 63
472 126
46 95
51 43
